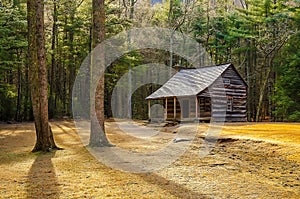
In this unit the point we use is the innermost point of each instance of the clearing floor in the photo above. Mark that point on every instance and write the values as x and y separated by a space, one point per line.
246 160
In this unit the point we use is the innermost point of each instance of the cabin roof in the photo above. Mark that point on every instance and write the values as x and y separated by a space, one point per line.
189 82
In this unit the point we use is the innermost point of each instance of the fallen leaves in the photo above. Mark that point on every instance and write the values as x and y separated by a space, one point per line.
249 160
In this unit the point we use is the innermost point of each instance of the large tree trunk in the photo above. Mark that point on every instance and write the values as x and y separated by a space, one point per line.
97 135
71 64
53 61
38 76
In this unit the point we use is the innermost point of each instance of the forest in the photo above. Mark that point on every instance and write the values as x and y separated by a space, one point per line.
260 37
97 154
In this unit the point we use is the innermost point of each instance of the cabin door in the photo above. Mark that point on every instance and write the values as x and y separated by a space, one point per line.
185 108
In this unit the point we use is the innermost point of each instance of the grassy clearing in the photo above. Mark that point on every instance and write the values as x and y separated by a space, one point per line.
287 134
281 132
70 173
74 173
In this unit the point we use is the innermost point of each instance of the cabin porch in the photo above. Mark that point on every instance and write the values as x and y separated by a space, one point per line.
194 108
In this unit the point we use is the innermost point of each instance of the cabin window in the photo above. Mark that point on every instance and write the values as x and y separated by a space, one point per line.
226 82
229 104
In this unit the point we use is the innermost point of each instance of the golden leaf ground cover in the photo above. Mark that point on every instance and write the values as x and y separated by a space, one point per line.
249 161
281 133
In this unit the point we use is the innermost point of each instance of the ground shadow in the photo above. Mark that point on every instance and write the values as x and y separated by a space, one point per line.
15 142
171 187
15 138
41 179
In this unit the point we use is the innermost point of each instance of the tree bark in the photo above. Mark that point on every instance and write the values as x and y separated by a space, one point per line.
38 76
53 61
72 72
19 96
97 136
263 88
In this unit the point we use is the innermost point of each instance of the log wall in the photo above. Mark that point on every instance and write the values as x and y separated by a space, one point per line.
237 90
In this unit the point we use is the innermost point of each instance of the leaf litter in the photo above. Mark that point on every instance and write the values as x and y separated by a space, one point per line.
249 160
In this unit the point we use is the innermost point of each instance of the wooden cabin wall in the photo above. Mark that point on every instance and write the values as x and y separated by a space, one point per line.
232 87
218 100
204 107
178 110
170 109
237 91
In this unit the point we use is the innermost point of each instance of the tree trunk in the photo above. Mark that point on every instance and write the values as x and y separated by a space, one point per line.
263 89
170 13
38 76
132 4
97 135
19 96
71 64
249 82
53 61
26 104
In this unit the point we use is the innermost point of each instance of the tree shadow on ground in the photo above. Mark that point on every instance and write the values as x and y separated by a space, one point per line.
172 187
41 179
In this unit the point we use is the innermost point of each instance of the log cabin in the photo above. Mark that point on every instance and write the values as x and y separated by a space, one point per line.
216 93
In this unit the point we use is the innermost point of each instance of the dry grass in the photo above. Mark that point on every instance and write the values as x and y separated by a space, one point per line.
69 173
74 173
279 133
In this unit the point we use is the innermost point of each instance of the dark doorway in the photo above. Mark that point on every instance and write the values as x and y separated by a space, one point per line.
185 108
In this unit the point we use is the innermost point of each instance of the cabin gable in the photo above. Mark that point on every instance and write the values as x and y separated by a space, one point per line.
236 93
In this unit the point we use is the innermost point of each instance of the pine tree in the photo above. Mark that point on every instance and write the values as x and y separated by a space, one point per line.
38 76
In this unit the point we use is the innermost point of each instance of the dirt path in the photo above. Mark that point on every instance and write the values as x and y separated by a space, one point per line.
249 161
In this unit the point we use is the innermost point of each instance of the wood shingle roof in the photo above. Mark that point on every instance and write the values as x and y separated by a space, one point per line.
189 82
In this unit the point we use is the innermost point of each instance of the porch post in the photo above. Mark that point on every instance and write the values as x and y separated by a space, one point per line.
196 105
149 109
166 111
174 107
